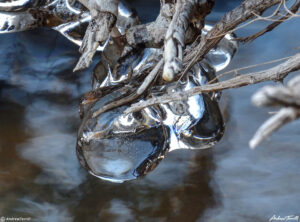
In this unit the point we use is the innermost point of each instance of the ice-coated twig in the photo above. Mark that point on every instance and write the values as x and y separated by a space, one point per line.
174 41
104 16
148 80
185 11
284 96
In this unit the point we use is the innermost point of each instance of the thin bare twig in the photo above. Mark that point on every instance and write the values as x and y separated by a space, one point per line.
151 76
270 27
290 11
230 21
247 67
276 73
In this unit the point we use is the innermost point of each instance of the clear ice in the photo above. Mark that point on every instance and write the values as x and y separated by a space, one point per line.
114 146
118 147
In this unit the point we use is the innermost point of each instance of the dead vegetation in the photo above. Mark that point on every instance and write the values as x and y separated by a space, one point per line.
179 23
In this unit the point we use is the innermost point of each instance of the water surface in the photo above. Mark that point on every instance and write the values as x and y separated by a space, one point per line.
41 178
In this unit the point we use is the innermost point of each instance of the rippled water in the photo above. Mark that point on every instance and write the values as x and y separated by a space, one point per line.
41 178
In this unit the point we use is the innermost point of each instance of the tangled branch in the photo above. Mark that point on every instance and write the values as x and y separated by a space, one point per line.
174 28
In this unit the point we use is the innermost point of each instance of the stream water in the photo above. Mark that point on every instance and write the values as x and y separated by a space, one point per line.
41 178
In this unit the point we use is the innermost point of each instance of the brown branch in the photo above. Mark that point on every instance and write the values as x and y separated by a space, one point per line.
236 71
270 27
230 21
276 73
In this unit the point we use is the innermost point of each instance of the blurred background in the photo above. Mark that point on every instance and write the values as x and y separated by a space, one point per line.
41 178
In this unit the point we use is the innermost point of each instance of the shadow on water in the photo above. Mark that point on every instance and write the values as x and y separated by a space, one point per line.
41 178
176 191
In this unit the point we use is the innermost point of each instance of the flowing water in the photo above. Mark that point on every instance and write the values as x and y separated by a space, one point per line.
41 178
